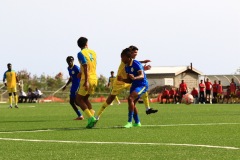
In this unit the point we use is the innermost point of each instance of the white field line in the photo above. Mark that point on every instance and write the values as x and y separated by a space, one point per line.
121 143
167 125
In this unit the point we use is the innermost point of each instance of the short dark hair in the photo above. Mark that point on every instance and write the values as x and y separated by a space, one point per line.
69 58
9 64
133 48
112 72
82 41
126 52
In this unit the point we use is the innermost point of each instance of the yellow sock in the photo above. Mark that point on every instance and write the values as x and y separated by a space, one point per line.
16 100
88 113
116 99
92 111
10 100
104 105
146 100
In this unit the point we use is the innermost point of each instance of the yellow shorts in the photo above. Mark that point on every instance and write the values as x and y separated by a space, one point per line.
11 90
91 89
118 88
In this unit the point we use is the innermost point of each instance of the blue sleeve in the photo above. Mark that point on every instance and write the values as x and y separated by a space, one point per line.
4 76
77 69
81 58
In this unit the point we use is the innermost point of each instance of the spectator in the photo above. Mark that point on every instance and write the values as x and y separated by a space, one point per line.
201 90
238 94
22 98
165 95
38 94
215 91
233 88
194 93
177 96
219 91
208 88
172 93
183 89
227 94
30 95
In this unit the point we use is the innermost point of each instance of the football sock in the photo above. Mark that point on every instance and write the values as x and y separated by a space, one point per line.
88 113
136 118
78 113
16 100
130 116
10 100
146 100
116 99
104 105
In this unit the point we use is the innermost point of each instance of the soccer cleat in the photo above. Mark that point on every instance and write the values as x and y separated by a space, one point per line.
151 110
95 123
16 106
91 122
79 118
128 125
10 106
137 124
119 103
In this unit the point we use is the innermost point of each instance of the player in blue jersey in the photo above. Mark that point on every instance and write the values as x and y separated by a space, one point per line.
74 72
137 77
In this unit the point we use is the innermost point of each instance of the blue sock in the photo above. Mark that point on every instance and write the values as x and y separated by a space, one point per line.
79 113
136 118
130 116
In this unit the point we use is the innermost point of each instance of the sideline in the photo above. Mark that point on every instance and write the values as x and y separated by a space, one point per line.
121 143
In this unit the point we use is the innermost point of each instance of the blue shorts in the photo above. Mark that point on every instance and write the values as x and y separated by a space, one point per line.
139 89
73 92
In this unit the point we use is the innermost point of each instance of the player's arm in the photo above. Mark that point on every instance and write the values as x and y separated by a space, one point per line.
108 82
145 61
4 79
140 75
128 80
68 82
83 62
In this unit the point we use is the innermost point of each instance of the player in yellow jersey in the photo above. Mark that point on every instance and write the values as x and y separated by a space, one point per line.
88 62
10 79
119 86
111 80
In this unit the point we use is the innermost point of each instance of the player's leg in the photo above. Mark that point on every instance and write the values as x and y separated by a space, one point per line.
75 108
81 97
10 99
109 100
145 98
136 117
15 99
117 100
131 98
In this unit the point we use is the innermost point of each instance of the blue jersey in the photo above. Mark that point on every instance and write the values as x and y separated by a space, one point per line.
133 68
73 72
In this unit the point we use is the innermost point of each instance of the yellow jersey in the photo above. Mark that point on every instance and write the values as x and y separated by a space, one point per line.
89 57
11 78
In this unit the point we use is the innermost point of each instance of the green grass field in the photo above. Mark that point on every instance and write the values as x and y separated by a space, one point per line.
48 131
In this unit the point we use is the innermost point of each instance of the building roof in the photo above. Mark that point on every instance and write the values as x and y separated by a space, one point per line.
170 70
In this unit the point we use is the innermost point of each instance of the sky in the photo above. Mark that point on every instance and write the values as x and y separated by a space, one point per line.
38 35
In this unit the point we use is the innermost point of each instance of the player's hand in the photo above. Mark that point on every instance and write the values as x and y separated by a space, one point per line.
147 67
64 88
119 78
131 76
146 61
86 86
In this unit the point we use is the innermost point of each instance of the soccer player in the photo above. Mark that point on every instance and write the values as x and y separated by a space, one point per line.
11 84
201 92
119 86
88 62
73 71
208 88
233 88
137 77
111 79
